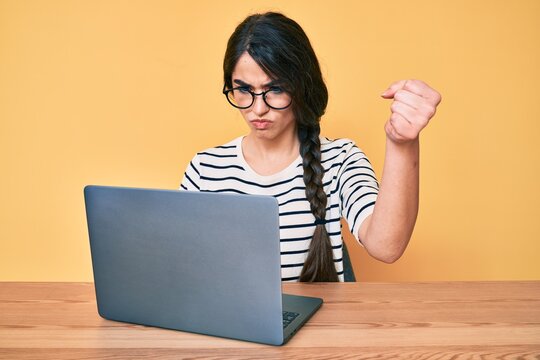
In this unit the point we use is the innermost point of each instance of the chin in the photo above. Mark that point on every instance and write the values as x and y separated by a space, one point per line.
262 133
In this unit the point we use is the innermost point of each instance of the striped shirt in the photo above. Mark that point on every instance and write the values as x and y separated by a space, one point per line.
349 182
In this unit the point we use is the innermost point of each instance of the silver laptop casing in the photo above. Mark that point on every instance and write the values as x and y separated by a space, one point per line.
200 262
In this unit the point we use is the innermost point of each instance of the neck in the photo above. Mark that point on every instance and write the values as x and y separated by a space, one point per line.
267 149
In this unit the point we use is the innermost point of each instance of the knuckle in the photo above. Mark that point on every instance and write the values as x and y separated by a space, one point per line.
399 94
412 82
422 123
429 111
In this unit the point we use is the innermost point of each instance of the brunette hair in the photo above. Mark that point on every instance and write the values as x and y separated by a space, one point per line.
282 49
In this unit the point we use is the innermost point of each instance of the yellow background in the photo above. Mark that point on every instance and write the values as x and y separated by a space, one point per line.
125 92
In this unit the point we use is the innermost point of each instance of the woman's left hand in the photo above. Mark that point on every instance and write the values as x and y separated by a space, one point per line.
414 105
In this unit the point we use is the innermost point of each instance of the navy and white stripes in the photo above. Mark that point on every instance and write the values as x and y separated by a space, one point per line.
349 182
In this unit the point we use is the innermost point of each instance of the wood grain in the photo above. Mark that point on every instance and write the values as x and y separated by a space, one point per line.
440 320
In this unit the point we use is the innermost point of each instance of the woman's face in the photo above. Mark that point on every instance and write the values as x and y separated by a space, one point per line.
264 122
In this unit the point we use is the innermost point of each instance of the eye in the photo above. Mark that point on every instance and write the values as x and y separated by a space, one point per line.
243 89
275 90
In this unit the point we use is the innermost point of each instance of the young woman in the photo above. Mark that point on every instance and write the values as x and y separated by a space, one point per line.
271 74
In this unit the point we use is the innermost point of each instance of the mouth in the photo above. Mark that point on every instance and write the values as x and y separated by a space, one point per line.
261 124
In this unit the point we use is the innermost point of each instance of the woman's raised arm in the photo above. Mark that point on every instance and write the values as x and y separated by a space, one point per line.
386 233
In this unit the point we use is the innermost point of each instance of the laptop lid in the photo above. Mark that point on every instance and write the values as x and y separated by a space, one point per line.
199 262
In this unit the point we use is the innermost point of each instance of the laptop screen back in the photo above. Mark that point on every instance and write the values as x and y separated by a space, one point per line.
193 261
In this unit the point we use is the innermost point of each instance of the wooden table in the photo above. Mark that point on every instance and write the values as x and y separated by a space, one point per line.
440 320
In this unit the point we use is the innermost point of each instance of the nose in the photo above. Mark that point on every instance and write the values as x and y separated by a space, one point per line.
259 106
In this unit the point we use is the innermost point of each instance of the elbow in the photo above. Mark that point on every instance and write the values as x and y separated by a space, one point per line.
390 251
387 247
389 258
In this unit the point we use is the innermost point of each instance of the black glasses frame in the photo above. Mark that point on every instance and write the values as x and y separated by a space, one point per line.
253 94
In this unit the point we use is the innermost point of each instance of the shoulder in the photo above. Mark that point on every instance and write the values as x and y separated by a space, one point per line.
332 148
327 143
227 150
341 154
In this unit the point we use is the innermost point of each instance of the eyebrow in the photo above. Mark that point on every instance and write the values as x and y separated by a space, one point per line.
242 83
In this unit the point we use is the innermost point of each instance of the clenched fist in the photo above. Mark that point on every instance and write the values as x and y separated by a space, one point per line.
414 105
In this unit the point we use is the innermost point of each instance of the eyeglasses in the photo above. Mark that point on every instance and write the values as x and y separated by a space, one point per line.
242 98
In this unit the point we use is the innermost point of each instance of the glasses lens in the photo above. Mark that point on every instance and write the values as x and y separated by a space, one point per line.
277 98
240 97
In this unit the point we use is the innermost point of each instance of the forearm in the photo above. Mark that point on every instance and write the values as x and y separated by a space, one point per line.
392 222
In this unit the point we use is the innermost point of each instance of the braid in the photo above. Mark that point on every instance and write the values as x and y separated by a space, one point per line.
319 265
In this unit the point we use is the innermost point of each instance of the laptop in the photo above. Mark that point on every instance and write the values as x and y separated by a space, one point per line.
199 262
